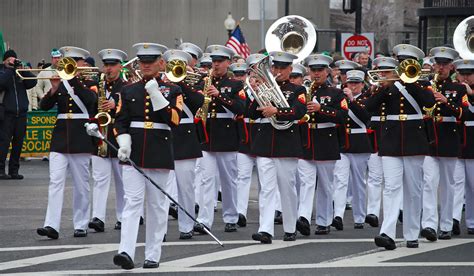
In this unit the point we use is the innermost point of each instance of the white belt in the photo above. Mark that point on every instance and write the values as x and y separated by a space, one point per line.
375 118
149 125
356 130
325 125
186 121
72 116
404 117
220 115
441 119
267 121
469 123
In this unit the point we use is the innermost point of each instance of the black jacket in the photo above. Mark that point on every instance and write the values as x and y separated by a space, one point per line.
16 98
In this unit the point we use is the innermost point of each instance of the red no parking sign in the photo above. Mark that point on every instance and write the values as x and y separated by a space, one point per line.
357 43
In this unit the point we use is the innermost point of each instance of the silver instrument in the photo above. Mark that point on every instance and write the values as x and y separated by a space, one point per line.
463 38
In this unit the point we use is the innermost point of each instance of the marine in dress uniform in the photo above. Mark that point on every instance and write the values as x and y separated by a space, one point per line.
351 169
186 148
321 148
297 74
465 68
193 50
71 148
104 166
377 119
145 114
405 143
344 66
440 164
277 152
220 149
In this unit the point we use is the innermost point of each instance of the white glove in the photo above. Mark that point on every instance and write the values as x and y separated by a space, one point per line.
157 99
92 129
125 146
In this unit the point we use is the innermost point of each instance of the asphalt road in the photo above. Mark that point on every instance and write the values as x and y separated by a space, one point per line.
349 252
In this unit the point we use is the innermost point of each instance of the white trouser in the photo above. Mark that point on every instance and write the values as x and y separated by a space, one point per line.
459 186
184 170
374 184
278 200
245 164
350 171
438 172
469 192
135 187
78 165
406 172
223 164
277 174
102 169
173 185
323 171
197 180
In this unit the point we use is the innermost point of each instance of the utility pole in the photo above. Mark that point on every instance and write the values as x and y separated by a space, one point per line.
287 7
358 23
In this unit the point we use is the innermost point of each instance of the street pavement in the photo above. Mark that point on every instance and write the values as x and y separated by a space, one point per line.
348 252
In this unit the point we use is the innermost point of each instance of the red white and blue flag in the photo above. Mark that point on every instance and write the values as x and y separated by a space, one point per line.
237 43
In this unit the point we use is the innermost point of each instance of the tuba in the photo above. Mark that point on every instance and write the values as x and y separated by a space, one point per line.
463 38
293 34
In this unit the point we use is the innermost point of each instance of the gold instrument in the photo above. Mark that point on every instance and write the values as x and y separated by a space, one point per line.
409 71
66 69
131 71
103 117
204 110
176 71
293 34
463 38
309 85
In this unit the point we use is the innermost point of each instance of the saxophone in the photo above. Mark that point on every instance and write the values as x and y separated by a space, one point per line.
308 96
103 117
204 110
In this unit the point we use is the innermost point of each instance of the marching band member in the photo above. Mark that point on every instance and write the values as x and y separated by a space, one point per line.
440 164
71 148
351 169
193 50
277 152
297 75
145 113
465 68
220 151
326 108
106 164
404 145
344 66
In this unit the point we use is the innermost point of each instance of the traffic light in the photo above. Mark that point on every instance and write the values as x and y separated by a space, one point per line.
349 6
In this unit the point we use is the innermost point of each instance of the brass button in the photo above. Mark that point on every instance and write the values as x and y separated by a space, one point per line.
419 127
383 107
189 131
402 98
147 97
401 111
147 103
70 111
291 131
70 104
228 126
330 134
147 110
401 104
348 125
147 118
166 138
348 119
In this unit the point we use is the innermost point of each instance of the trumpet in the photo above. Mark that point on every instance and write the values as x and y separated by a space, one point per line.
176 71
66 69
409 71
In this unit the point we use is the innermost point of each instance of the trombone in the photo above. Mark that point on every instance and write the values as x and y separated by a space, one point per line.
409 71
66 69
176 71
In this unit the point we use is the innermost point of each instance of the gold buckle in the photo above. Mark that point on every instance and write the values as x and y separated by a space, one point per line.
68 115
312 125
348 130
438 119
148 125
403 117
251 121
213 115
383 118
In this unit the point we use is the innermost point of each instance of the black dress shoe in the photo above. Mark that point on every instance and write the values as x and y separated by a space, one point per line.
337 223
289 236
278 218
196 208
97 225
150 264
383 240
80 233
444 235
322 230
262 237
429 234
400 216
230 227
456 228
186 236
164 238
358 226
372 220
242 222
123 260
118 225
4 176
348 206
48 232
173 211
198 227
219 196
16 176
470 231
412 244
302 225
142 220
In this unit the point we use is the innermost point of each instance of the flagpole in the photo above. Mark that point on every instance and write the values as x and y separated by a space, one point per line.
262 23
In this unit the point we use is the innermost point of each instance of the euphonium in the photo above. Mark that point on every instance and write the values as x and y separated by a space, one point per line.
204 110
103 117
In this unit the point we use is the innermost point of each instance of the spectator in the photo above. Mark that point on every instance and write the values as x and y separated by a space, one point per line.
44 85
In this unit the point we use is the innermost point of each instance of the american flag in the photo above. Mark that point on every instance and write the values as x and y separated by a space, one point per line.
237 43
